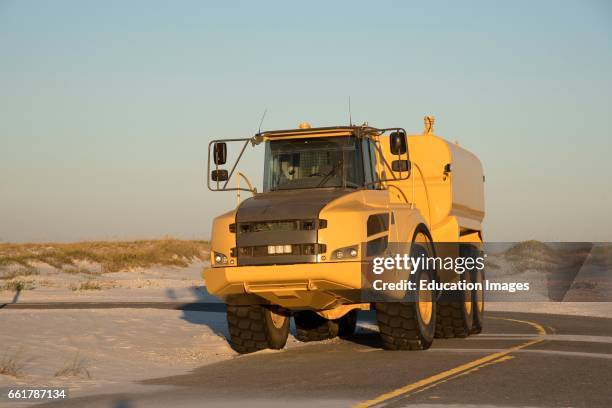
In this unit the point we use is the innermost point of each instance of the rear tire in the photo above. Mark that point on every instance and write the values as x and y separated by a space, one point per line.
312 327
455 318
255 327
347 324
478 303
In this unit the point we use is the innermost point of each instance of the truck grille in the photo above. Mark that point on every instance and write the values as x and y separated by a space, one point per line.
254 238
262 250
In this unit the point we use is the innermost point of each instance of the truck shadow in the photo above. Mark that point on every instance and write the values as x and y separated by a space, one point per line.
204 310
365 335
208 311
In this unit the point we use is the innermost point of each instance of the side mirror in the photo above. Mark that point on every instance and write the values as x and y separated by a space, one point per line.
401 165
219 175
397 141
220 153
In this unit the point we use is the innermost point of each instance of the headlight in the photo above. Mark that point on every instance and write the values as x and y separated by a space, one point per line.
345 253
279 249
220 259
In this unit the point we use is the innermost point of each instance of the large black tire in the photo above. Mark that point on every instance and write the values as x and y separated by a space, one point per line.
455 318
255 327
478 303
407 325
312 327
347 324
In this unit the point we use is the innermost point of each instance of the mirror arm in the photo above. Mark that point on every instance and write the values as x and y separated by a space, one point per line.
246 143
217 169
255 140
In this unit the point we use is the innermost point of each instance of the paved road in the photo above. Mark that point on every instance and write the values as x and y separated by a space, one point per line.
195 306
520 360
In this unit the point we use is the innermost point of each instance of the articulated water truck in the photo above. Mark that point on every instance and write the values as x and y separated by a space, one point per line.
333 199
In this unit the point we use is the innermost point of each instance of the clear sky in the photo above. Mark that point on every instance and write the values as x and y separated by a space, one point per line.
107 107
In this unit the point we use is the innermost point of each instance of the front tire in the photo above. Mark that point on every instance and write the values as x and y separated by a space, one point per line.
255 327
411 325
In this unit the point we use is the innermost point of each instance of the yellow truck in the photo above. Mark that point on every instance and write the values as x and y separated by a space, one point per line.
333 199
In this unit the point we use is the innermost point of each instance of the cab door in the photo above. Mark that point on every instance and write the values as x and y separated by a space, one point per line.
372 168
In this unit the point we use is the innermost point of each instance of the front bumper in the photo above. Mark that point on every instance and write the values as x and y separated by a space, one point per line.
318 286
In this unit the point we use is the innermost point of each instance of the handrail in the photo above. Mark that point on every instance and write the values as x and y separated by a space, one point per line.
401 192
412 203
251 189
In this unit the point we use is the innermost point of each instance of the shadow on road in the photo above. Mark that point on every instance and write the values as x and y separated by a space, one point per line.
366 336
123 403
15 298
209 311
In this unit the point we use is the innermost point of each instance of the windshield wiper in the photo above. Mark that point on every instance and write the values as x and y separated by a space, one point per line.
329 173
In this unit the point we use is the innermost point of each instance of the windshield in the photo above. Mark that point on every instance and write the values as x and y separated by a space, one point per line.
313 163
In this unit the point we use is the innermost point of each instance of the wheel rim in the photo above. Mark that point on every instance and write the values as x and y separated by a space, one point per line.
278 320
467 295
425 296
425 305
479 294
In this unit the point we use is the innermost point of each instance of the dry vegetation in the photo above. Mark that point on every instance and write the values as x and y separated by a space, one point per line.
22 271
74 368
16 285
12 363
80 270
112 256
540 256
87 285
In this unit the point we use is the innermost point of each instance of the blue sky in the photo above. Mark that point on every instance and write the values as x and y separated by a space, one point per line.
106 108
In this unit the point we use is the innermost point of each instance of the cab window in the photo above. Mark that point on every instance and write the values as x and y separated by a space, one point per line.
368 151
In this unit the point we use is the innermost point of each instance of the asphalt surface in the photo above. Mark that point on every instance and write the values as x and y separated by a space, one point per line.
196 306
521 359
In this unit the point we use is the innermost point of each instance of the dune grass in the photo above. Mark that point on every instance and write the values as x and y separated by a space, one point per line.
16 285
112 256
76 367
87 285
21 271
12 363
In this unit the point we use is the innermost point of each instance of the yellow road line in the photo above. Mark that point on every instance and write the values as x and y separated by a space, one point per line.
539 328
464 373
457 370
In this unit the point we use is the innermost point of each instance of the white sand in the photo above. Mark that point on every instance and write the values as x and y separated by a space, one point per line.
117 346
138 285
